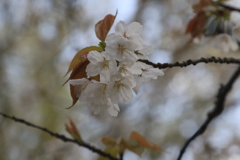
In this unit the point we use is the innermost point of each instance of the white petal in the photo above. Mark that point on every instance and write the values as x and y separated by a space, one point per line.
145 51
135 68
120 27
236 31
136 89
113 110
129 81
105 75
114 95
81 81
134 28
116 107
92 69
126 94
95 57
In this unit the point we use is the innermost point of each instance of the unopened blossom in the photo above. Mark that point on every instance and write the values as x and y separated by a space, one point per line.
120 48
113 110
100 63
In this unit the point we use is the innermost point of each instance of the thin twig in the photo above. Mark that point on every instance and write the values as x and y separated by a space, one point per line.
217 110
121 156
61 137
231 8
192 62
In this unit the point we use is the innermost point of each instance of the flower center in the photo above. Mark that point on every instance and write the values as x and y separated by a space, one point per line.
121 48
122 69
105 64
125 36
118 84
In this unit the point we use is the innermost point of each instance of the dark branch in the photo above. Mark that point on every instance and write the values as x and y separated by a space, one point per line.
229 7
192 62
61 137
121 156
217 110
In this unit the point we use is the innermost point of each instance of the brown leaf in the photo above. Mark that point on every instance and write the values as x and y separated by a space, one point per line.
78 72
197 24
73 95
109 141
103 26
135 136
199 7
81 56
133 146
112 151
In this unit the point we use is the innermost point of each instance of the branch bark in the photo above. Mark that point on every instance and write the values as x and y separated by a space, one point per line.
219 105
217 110
231 8
61 137
192 62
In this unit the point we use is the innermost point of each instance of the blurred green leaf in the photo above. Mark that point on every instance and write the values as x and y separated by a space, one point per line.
136 136
73 131
112 151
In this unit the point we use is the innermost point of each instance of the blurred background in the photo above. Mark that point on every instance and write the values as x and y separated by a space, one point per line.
38 39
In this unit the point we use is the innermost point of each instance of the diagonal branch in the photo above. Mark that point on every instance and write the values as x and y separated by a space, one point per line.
61 137
192 62
217 110
231 8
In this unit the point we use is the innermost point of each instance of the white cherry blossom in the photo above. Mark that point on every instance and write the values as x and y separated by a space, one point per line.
100 63
148 73
120 48
98 98
128 68
119 70
121 88
144 52
131 32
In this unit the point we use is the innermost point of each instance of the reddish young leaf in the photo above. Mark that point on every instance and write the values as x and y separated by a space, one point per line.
196 25
199 7
73 131
112 151
133 146
135 136
73 95
103 27
109 142
77 73
79 70
80 56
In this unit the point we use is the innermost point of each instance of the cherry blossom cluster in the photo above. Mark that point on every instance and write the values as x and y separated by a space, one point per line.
115 73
